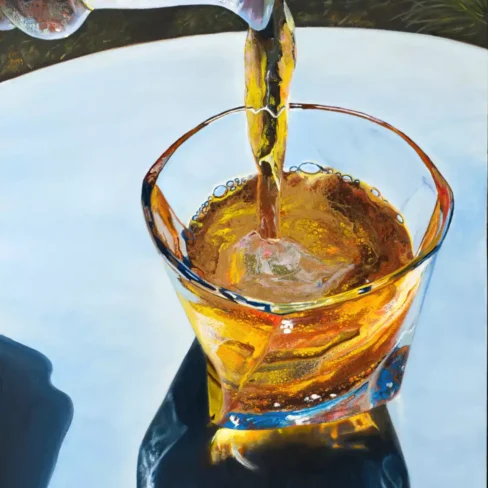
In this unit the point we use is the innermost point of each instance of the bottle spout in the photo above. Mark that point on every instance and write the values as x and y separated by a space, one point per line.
256 13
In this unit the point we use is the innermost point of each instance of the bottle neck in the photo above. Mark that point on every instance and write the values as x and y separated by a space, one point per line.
48 19
255 12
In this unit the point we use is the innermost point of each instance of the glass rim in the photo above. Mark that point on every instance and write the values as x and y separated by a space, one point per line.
444 205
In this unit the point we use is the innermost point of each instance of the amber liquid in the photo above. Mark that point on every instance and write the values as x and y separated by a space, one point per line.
270 58
337 224
260 361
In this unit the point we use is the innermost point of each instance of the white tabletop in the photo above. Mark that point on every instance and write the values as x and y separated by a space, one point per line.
82 283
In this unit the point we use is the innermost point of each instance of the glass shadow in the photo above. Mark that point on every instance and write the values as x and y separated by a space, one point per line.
182 449
34 417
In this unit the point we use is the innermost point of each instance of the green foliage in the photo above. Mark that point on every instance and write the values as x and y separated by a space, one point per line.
460 19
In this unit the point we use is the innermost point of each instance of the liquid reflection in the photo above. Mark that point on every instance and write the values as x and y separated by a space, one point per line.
34 417
182 449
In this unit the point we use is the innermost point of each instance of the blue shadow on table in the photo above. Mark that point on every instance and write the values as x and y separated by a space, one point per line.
181 449
34 417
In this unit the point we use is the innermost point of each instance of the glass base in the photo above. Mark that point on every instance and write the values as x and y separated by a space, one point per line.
381 387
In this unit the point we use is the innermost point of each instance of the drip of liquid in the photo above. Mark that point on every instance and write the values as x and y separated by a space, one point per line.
270 57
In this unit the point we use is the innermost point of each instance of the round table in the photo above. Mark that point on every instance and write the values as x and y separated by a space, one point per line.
83 284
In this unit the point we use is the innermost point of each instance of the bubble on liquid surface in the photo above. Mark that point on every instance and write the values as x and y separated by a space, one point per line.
220 191
279 270
400 219
375 192
310 168
347 178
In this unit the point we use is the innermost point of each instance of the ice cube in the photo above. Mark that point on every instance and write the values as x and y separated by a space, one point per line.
279 270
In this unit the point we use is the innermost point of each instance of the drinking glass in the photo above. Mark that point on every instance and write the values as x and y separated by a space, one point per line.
274 365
